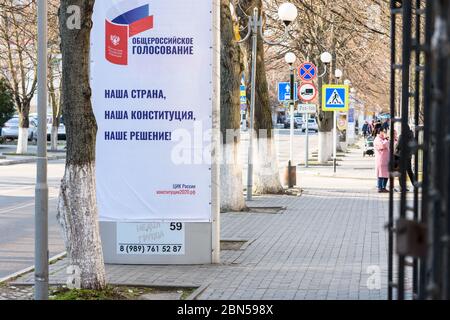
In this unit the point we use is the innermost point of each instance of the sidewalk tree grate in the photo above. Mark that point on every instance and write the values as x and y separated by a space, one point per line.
269 210
233 245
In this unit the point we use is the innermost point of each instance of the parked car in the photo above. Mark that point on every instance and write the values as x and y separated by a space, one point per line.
287 123
298 121
312 125
61 129
10 129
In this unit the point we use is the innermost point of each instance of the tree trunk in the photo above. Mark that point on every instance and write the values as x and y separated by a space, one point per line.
266 170
77 208
24 124
232 197
325 123
54 138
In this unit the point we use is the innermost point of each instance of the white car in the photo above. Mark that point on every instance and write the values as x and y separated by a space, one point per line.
312 125
10 129
298 120
61 129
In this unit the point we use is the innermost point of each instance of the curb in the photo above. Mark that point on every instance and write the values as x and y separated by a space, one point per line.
194 295
338 177
22 272
31 160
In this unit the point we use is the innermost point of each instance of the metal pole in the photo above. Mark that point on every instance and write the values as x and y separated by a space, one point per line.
41 190
424 270
391 167
406 61
335 136
334 140
291 142
307 140
254 27
417 94
215 167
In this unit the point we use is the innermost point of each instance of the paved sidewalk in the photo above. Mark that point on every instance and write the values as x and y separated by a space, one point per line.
320 247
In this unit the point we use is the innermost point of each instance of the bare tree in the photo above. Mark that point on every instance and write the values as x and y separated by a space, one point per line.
232 198
18 59
77 207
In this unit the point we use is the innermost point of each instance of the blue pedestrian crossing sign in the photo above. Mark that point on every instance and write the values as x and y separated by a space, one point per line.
284 91
335 98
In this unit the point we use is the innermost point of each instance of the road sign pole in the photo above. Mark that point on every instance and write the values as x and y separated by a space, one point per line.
307 140
334 141
41 189
291 142
254 26
335 98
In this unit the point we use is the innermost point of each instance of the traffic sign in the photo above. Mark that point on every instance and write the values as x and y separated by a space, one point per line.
307 71
342 122
335 98
243 91
284 91
307 92
243 97
307 108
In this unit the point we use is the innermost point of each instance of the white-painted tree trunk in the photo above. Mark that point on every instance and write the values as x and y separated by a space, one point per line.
54 138
78 216
325 146
231 196
22 141
266 171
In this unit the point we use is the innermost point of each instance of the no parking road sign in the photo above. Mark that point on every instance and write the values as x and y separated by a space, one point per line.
307 71
335 98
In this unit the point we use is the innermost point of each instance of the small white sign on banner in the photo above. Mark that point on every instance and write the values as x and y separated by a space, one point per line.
153 238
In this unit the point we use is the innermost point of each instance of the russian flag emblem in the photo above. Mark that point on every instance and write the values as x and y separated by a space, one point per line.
119 28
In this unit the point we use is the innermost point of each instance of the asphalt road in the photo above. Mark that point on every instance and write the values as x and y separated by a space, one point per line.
17 184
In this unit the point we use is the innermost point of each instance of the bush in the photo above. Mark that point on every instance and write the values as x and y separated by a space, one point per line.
6 103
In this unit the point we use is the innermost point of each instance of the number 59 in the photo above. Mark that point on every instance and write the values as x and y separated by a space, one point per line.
176 226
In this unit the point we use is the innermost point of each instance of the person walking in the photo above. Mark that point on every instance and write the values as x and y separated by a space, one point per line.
376 128
381 145
409 136
365 128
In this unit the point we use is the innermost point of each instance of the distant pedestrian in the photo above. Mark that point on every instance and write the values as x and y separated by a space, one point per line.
385 126
376 129
381 145
409 136
366 129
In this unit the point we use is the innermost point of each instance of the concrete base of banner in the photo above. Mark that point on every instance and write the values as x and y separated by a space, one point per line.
198 247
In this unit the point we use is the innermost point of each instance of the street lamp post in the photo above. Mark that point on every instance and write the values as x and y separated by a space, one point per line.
338 76
41 190
290 59
326 60
287 13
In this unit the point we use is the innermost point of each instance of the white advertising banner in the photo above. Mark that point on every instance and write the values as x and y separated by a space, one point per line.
151 78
